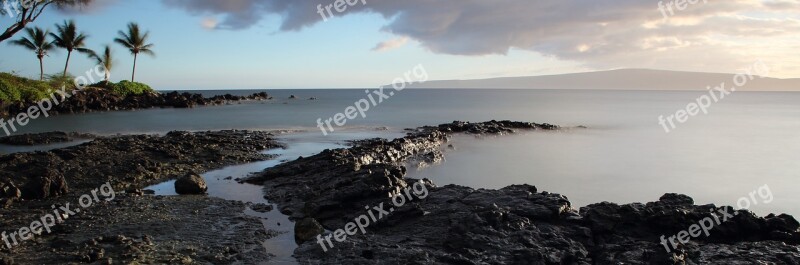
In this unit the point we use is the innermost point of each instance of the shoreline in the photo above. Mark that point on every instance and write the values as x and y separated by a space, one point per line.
99 100
453 224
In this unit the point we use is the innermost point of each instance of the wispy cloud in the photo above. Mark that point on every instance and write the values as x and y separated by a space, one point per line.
391 44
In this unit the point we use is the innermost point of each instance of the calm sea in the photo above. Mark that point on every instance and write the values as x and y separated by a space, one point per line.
748 140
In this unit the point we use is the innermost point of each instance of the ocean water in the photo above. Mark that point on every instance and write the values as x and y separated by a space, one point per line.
747 141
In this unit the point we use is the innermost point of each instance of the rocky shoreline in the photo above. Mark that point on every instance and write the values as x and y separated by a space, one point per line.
93 99
133 227
452 225
514 225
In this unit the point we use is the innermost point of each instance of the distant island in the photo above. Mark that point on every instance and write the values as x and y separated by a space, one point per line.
623 79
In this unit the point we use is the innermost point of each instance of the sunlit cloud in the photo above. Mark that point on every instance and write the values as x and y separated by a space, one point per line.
391 44
209 23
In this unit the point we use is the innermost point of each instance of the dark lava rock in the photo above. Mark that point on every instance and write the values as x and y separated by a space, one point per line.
191 183
129 162
307 229
261 207
146 230
514 225
98 99
94 255
44 138
9 190
188 226
49 184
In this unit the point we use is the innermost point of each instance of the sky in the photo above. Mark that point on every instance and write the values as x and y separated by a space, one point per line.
269 44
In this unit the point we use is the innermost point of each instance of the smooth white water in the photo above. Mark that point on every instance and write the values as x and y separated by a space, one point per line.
748 140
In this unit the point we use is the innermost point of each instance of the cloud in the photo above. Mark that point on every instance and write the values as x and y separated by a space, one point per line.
601 34
391 44
91 8
209 23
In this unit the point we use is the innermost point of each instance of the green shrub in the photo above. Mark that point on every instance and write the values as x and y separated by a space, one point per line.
125 88
104 85
15 89
36 91
9 92
58 80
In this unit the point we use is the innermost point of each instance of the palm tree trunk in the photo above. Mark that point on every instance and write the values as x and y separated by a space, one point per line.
41 69
133 75
69 53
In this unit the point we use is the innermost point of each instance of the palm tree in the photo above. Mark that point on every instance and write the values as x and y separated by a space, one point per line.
136 42
68 38
36 42
106 60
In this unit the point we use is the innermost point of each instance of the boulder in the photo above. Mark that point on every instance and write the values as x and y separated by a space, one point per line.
9 190
191 183
50 184
307 229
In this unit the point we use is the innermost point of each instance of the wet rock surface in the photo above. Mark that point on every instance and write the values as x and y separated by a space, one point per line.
131 228
44 138
514 225
191 183
135 229
130 162
307 229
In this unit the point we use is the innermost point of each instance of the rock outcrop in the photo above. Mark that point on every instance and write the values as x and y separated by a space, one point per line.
514 225
129 162
92 99
132 228
306 230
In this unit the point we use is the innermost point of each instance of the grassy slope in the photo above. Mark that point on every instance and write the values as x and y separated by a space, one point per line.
16 89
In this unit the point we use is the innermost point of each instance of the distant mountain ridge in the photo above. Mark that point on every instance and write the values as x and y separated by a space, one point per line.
623 79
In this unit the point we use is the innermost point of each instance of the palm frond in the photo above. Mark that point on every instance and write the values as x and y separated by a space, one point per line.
93 55
124 42
35 41
85 51
24 42
108 59
134 40
68 37
148 52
